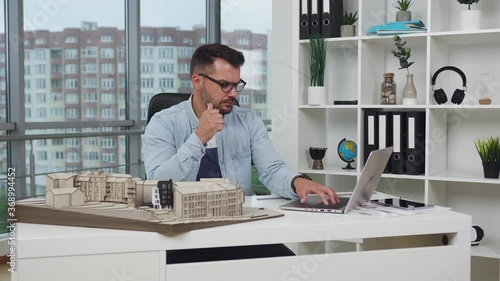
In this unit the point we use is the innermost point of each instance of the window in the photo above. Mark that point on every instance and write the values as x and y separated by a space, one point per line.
243 41
165 39
70 53
71 98
89 82
73 157
147 67
260 99
107 68
106 39
39 68
90 112
70 39
186 84
107 83
166 53
71 83
71 113
89 52
41 98
147 82
108 113
244 99
90 97
107 53
89 68
147 52
166 67
147 38
184 67
40 41
108 142
185 52
107 98
41 83
166 83
71 68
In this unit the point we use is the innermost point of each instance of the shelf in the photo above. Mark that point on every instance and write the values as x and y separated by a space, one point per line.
486 249
464 106
455 176
338 42
403 176
398 106
415 40
469 37
329 106
331 170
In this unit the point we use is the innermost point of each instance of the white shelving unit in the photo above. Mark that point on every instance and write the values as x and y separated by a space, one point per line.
355 66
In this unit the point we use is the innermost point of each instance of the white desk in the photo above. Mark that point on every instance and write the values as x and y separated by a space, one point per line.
46 252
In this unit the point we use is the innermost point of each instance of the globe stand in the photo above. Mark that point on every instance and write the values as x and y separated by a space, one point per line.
317 154
349 167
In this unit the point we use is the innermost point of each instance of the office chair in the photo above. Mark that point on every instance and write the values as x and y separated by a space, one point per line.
164 100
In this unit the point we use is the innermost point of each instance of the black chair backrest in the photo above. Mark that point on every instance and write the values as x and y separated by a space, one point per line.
164 100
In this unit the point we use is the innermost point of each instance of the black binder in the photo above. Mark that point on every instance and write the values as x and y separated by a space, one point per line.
399 129
326 19
370 138
336 11
315 17
304 29
384 127
415 152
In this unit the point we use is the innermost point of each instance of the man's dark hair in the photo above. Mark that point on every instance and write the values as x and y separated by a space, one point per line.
203 58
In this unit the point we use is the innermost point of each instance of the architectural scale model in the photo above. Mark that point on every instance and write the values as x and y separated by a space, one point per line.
97 199
206 198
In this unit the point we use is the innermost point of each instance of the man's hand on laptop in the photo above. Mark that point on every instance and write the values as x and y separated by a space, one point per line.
305 187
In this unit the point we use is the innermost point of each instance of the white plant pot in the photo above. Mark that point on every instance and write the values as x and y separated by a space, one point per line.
409 101
316 95
470 20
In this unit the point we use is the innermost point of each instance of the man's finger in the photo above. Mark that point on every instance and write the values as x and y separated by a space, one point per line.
323 196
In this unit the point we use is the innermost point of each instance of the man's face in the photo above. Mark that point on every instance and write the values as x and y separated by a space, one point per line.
211 92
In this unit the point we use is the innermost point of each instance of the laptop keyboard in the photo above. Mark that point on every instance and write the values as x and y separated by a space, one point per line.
343 202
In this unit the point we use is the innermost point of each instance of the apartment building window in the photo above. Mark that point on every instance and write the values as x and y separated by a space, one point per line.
59 155
185 52
165 39
91 156
71 83
41 98
27 56
184 67
41 112
108 142
89 82
121 67
147 67
90 97
70 39
147 38
71 68
71 113
41 155
107 53
121 52
71 98
70 53
40 41
57 111
41 83
89 68
89 52
107 83
107 98
147 52
166 67
108 157
27 69
243 41
39 68
108 113
73 157
166 53
56 83
56 97
91 141
106 39
166 83
57 142
244 99
107 68
27 84
147 83
90 112
72 142
56 68
186 84
202 40
259 99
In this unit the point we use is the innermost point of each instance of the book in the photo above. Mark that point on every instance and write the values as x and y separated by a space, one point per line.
384 29
393 32
407 23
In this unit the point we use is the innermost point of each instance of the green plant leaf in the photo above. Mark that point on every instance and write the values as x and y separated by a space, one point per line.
489 149
403 5
317 60
349 18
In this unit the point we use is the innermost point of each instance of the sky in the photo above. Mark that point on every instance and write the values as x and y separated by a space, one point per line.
55 15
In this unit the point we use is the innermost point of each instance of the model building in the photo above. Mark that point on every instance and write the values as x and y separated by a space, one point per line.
207 198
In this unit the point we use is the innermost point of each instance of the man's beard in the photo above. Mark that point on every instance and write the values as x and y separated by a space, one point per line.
206 99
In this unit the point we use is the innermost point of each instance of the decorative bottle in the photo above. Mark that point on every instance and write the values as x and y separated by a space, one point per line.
388 89
409 92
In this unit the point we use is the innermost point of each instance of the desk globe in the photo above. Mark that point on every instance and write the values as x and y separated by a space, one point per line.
347 150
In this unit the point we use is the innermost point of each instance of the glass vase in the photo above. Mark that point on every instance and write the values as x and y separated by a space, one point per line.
409 92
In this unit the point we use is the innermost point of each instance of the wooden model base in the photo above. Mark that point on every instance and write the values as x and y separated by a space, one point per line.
123 216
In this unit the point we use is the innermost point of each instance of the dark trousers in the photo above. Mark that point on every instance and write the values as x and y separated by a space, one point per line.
228 253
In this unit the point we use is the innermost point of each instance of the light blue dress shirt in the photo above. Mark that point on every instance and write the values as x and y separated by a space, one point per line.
172 150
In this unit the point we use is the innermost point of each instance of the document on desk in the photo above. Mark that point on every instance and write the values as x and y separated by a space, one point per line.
370 210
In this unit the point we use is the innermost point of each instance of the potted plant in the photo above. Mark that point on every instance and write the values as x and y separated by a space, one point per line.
403 53
317 62
347 29
403 14
489 151
470 19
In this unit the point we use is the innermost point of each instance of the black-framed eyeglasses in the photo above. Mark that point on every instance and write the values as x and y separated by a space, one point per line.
227 87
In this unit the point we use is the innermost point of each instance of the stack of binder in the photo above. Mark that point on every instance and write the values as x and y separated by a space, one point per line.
405 132
398 27
322 17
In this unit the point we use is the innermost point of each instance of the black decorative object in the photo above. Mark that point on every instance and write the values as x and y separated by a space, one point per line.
317 154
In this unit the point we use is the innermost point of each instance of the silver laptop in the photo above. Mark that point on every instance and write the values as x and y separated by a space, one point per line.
363 191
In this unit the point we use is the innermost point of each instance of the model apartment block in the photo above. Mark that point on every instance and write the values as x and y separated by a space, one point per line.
204 199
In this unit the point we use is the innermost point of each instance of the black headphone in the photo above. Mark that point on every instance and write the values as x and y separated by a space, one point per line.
458 95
